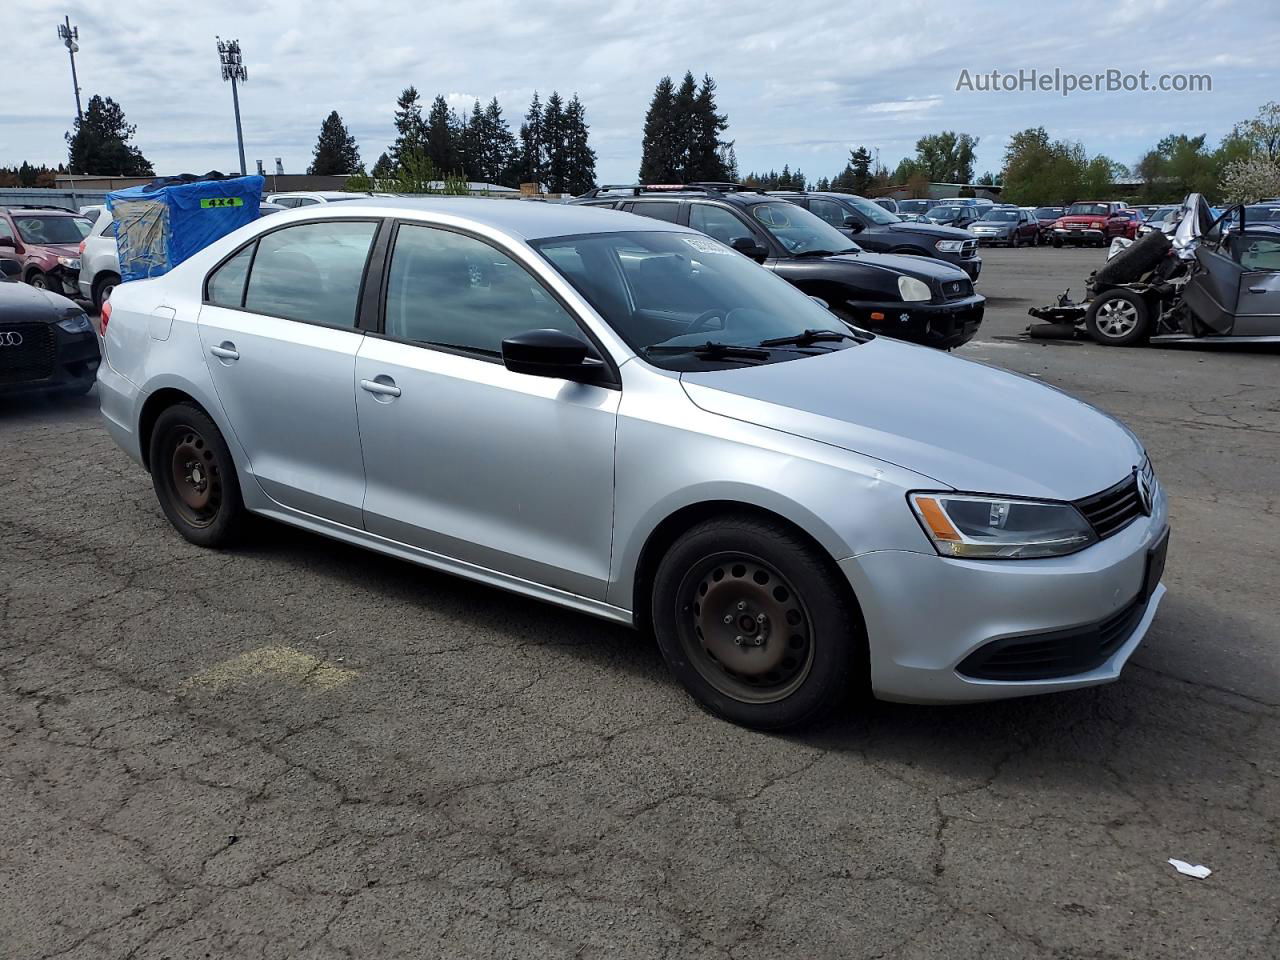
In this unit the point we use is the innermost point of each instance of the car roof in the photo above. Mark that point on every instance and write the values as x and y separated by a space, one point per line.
528 221
317 194
56 211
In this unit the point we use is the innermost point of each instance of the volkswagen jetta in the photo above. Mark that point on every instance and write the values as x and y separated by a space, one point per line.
635 421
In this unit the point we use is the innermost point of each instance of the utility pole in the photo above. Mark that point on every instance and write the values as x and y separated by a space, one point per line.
69 35
233 69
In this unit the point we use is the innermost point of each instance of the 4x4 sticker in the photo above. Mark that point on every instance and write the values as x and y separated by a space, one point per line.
209 202
707 245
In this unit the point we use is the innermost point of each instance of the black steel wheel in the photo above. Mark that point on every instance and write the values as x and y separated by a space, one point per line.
194 476
757 623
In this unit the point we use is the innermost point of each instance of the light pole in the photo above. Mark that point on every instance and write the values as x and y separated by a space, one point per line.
69 35
233 69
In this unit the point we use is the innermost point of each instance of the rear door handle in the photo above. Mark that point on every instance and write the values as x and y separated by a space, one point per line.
225 351
385 387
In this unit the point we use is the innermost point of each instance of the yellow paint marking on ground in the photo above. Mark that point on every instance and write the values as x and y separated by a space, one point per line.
283 664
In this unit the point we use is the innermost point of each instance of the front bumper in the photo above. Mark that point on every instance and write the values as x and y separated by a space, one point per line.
990 239
64 280
50 361
926 614
970 265
1088 233
942 325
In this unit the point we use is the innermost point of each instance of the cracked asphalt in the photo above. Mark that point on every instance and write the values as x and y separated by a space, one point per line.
301 750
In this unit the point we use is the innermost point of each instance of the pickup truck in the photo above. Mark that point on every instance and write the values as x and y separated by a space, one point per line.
1093 222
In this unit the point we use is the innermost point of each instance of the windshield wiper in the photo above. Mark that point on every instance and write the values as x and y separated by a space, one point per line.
806 338
826 253
712 350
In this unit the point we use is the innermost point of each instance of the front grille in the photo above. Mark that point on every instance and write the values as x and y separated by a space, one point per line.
957 289
969 249
1113 509
1046 656
31 357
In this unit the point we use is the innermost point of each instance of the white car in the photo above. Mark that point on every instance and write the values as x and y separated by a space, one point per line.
305 198
99 262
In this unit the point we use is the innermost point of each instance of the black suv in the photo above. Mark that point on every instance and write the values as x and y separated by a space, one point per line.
911 298
874 228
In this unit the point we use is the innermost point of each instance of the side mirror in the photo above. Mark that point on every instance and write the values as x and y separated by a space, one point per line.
751 247
549 353
10 269
7 242
853 223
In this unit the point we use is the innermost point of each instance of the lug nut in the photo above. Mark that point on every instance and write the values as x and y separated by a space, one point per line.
742 604
761 618
728 618
759 641
738 641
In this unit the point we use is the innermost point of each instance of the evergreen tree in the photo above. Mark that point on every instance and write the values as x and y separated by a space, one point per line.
383 167
440 145
499 150
705 159
729 158
336 150
686 129
473 144
553 142
580 159
100 143
411 131
533 166
860 166
659 157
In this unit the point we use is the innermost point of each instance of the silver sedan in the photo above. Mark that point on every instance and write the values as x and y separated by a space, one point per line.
629 419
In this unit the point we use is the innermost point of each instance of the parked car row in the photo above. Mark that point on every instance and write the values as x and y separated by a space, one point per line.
925 299
625 416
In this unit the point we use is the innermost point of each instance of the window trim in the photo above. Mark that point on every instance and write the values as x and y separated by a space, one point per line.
609 378
355 326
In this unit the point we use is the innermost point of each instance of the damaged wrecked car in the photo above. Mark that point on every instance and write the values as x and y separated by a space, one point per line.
1216 279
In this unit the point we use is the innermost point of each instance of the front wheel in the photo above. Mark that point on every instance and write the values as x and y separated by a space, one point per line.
756 624
195 478
1057 244
38 280
1118 318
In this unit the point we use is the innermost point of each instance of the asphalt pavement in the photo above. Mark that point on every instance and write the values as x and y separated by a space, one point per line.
301 750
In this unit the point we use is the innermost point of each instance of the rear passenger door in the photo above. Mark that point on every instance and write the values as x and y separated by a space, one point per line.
279 332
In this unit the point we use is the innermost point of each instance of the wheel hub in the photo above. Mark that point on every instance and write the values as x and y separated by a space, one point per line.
749 623
194 479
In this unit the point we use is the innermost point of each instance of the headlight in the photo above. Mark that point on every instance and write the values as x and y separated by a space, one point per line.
992 528
949 246
909 288
77 324
71 263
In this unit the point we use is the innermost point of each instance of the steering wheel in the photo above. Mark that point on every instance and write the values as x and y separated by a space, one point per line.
701 320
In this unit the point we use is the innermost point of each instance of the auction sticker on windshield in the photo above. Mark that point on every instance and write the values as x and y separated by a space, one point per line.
707 245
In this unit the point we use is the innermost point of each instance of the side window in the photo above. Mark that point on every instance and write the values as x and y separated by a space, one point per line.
828 210
286 201
451 290
718 222
226 284
658 210
311 272
108 228
1260 254
305 201
6 231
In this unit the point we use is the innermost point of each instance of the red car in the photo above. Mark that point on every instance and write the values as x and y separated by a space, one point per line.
46 242
1095 223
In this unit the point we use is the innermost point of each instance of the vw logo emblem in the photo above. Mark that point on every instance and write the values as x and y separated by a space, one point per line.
1145 493
10 338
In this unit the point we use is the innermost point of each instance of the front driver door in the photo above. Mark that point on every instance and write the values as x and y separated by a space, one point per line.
1258 311
464 458
281 349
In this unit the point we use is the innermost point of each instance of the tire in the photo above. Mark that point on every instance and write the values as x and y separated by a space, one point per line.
793 644
1057 244
102 287
195 478
1118 318
1014 242
38 280
1133 261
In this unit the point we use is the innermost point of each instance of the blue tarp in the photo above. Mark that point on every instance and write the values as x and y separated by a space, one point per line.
161 224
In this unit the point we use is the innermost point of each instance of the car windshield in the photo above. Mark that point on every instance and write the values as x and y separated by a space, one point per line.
913 206
1048 213
872 211
946 214
1261 214
52 230
799 230
1161 214
1087 209
1001 216
670 294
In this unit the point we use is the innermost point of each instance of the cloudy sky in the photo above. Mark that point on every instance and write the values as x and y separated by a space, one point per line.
801 82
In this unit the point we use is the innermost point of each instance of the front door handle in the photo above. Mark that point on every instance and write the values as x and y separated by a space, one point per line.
383 386
1257 289
226 350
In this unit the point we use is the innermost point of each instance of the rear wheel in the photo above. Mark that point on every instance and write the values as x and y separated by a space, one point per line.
195 478
1118 318
102 288
756 624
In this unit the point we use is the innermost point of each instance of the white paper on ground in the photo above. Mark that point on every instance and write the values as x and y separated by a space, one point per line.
1197 871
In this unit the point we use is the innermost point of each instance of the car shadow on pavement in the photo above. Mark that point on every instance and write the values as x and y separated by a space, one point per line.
44 406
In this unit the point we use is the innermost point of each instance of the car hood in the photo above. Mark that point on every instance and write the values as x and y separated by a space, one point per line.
960 423
935 230
55 249
23 303
993 225
924 268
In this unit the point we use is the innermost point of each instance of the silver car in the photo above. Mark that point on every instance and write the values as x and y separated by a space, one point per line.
632 420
